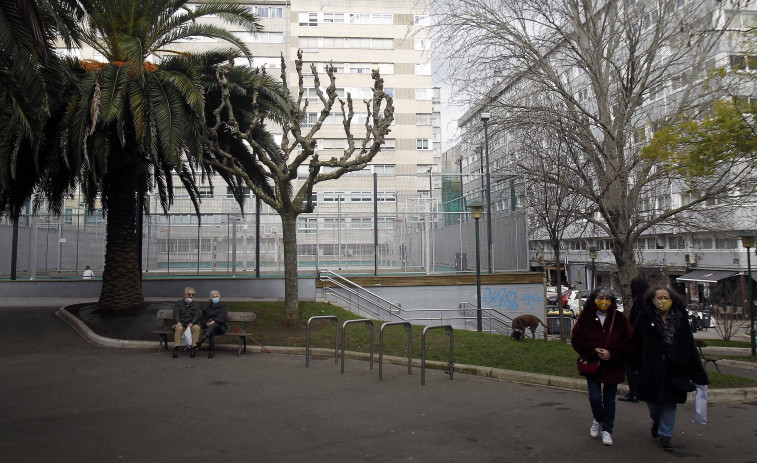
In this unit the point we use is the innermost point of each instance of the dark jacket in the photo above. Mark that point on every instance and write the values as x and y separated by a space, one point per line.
589 333
661 368
215 312
186 313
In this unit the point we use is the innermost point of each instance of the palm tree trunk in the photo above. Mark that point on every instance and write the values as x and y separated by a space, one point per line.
122 284
291 296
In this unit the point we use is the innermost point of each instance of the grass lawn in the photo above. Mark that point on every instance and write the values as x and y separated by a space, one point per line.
484 349
721 343
740 358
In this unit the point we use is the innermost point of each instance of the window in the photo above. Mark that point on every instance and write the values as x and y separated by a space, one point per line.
268 12
747 105
424 93
422 44
333 17
423 143
307 225
361 196
308 19
205 191
422 20
389 144
362 222
332 143
332 196
702 243
423 69
726 243
676 242
422 118
743 63
230 193
386 196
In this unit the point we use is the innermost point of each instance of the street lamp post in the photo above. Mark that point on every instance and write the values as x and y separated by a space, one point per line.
593 256
485 118
747 240
477 211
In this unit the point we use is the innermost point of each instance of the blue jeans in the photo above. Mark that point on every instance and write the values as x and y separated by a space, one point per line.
665 415
602 403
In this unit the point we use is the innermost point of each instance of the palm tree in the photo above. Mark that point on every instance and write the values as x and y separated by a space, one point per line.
132 123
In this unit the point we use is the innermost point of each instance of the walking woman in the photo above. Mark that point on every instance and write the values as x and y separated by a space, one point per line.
213 321
604 334
667 360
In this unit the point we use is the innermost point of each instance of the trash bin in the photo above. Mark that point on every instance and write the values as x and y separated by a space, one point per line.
461 262
553 324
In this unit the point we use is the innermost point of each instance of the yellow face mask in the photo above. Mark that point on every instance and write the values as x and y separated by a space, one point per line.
603 304
663 304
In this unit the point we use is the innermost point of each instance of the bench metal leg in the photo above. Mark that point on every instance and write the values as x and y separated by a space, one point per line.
162 342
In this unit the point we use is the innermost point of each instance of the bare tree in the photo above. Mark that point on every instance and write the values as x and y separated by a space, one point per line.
239 153
603 76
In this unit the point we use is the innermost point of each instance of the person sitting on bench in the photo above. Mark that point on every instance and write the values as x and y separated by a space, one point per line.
186 314
213 321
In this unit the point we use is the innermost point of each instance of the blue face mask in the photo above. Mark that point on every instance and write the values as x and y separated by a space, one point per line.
216 300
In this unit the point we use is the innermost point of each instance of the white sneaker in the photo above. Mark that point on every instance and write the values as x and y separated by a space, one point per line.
595 428
606 438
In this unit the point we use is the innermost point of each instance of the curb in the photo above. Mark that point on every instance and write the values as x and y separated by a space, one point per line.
574 384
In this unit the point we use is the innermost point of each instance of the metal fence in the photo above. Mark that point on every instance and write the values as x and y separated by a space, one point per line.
417 232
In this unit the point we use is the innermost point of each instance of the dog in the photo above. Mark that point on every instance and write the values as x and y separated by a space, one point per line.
521 322
517 335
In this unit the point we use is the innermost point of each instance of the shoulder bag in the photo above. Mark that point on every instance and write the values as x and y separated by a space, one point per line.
588 367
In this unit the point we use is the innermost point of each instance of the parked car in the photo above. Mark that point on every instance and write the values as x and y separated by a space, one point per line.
553 312
552 294
577 299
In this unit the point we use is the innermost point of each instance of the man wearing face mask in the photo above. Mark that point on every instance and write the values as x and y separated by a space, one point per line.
602 333
186 314
213 321
667 360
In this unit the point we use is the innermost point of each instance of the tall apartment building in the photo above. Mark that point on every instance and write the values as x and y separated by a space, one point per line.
709 265
355 36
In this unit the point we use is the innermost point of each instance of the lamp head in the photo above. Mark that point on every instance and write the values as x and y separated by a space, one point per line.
592 252
486 116
747 239
476 209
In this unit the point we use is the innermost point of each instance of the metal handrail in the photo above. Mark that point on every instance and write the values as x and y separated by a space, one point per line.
345 299
335 322
409 330
448 330
368 323
392 306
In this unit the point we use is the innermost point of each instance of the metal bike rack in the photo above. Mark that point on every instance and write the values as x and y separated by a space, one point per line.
368 323
448 330
335 322
409 330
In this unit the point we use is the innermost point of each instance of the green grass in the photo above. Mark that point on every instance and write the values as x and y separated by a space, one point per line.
740 358
721 343
484 349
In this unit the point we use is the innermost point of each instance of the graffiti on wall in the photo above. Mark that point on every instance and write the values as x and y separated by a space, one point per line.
507 299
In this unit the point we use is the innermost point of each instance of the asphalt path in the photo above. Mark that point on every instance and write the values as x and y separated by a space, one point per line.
65 400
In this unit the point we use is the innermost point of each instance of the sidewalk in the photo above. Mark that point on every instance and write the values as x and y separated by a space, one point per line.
66 400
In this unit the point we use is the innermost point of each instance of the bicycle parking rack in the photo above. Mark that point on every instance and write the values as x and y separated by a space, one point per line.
448 331
335 322
369 324
409 329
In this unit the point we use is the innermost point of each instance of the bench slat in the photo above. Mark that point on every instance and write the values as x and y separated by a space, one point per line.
167 314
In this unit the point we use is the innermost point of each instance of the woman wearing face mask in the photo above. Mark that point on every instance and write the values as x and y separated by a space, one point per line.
667 360
602 333
213 321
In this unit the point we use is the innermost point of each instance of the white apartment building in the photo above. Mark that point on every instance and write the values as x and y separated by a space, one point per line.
710 266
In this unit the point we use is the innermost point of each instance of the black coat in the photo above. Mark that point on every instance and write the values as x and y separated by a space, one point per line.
658 371
215 312
589 333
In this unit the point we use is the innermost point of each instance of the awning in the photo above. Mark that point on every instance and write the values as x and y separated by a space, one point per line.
706 276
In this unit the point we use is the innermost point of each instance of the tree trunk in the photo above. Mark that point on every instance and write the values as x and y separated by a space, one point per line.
122 285
291 294
627 269
558 279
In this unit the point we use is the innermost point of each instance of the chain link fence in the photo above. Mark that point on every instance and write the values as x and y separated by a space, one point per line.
388 225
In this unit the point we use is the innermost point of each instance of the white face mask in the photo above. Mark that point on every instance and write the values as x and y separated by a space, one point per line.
188 300
216 300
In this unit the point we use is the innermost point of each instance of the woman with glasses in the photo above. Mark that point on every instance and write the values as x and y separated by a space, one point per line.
666 359
603 334
213 321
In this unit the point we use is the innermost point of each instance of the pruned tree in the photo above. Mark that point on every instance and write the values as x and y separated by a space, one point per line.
236 151
610 74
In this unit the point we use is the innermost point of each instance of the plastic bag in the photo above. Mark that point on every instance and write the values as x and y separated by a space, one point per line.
700 405
186 337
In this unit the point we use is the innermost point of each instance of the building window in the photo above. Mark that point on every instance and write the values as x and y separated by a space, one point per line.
423 119
676 242
424 93
268 12
384 169
743 62
389 144
702 243
726 243
205 191
423 69
422 44
333 17
424 143
307 225
308 19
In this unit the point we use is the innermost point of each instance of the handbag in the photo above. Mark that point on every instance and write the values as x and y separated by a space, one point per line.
588 367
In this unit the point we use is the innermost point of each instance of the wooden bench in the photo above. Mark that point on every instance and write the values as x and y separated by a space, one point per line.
705 359
239 331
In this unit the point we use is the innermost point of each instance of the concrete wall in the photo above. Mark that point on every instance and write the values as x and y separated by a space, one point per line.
266 288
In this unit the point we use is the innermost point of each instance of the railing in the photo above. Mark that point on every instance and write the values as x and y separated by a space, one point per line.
409 330
369 324
449 332
335 322
361 295
497 321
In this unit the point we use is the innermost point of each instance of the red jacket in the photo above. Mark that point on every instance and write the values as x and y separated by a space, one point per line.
589 333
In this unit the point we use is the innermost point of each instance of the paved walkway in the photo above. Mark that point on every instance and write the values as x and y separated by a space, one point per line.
65 400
